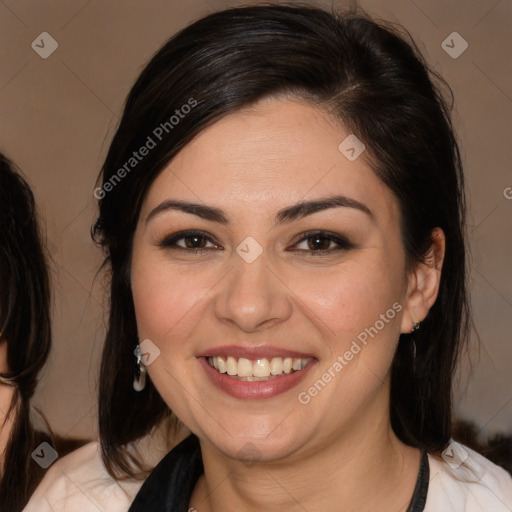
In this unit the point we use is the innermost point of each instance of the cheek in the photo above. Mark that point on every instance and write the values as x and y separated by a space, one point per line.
168 306
163 299
351 298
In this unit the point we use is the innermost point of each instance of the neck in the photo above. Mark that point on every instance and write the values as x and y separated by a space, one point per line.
6 419
338 476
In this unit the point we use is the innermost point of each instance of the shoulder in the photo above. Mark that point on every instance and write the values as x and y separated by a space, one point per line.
463 480
79 481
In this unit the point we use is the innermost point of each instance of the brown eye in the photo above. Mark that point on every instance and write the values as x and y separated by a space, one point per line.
189 241
320 243
195 241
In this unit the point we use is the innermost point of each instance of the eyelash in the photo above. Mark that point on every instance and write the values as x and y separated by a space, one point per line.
343 243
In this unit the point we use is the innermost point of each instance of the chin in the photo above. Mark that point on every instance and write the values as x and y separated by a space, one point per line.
251 443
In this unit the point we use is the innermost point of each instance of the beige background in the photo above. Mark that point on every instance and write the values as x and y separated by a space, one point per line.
58 114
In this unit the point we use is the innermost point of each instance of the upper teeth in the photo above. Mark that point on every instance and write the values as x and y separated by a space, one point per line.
257 368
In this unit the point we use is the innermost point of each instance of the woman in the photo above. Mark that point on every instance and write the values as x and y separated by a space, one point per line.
25 341
282 211
25 338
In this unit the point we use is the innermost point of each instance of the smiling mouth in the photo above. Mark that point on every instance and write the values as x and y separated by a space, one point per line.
258 369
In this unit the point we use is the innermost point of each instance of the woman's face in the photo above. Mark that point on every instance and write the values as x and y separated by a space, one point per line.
291 256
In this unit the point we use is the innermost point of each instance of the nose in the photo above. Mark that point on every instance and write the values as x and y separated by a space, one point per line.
252 297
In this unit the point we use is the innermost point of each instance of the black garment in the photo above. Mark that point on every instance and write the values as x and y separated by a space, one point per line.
419 496
170 485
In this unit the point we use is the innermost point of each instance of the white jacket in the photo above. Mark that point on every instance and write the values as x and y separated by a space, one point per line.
464 482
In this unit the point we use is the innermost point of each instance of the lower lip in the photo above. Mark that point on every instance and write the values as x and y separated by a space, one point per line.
256 389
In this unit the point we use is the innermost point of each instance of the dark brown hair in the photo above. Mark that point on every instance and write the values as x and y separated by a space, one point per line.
25 326
372 78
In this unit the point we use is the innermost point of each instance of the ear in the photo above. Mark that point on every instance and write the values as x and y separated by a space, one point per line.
423 283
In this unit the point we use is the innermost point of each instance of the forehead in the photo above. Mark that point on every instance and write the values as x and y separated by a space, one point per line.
270 155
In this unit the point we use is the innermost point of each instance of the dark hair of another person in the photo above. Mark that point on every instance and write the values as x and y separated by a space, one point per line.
370 77
25 326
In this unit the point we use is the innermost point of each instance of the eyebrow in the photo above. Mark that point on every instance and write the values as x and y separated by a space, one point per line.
288 214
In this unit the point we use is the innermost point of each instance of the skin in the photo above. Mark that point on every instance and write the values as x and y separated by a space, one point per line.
6 395
327 454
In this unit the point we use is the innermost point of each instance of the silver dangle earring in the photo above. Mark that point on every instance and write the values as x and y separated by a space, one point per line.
139 379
